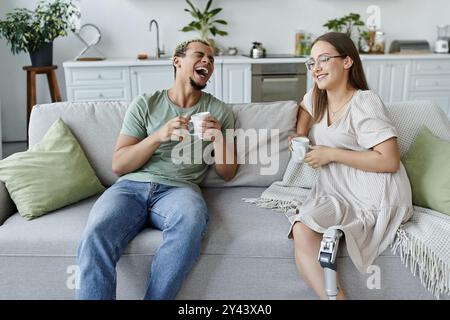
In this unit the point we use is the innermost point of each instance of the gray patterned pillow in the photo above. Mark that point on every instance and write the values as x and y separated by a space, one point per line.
267 116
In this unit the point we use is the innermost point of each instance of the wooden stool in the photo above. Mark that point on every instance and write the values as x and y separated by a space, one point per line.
31 86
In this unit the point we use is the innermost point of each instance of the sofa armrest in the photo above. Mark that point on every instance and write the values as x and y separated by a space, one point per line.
7 206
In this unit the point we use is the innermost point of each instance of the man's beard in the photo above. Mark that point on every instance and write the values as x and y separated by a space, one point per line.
196 86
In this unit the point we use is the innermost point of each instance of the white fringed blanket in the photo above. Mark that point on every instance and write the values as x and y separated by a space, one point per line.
423 244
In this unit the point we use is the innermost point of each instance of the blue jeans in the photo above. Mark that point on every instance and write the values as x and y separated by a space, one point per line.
119 215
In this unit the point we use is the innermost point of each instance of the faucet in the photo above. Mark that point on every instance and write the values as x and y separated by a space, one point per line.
158 51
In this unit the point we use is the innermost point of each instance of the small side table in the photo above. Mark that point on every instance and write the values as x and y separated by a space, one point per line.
31 86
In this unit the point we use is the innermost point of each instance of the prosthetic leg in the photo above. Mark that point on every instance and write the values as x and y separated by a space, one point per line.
327 259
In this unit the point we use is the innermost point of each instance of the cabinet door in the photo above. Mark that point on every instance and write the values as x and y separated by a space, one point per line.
388 79
374 75
149 79
118 93
97 76
237 82
395 86
214 85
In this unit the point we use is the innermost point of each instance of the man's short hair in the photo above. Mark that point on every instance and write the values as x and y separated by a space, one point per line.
180 50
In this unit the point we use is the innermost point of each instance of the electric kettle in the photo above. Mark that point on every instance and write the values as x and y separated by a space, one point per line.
257 50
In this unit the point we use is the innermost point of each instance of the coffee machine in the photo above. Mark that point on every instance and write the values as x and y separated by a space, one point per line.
443 41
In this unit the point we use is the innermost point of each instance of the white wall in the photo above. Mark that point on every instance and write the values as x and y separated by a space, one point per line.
124 24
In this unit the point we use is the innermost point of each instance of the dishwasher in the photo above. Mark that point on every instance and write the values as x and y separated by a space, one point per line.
278 82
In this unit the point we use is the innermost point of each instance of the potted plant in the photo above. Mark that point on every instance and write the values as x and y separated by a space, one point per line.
349 24
204 23
34 31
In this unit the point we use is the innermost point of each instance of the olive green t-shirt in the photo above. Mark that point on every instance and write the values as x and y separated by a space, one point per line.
146 114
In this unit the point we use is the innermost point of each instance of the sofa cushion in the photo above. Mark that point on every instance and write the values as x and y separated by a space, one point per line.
259 165
51 174
95 125
236 229
427 165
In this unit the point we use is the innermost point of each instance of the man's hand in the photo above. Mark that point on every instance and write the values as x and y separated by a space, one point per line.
173 129
211 129
319 156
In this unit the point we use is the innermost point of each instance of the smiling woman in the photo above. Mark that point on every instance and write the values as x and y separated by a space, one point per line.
354 144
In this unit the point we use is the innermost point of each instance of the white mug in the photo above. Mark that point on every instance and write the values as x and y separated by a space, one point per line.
197 120
300 146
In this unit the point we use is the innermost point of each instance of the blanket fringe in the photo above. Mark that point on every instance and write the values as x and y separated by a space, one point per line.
278 205
434 274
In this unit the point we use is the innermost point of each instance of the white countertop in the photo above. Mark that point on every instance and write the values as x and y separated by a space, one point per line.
122 62
404 56
127 62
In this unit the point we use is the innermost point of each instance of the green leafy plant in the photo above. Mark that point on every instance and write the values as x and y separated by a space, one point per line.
353 26
346 24
203 21
27 31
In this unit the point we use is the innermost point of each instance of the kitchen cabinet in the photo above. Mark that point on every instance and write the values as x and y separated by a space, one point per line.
149 79
430 80
413 78
102 83
236 83
215 85
389 79
105 82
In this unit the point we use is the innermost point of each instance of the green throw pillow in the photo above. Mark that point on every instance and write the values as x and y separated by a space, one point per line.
52 174
427 163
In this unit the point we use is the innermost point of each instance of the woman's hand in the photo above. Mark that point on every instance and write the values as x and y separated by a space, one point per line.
290 141
319 156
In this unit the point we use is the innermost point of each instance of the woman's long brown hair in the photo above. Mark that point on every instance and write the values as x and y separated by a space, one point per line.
344 46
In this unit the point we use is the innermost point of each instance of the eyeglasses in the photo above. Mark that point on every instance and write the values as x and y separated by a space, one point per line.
310 64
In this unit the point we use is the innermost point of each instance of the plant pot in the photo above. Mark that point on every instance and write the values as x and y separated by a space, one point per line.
42 57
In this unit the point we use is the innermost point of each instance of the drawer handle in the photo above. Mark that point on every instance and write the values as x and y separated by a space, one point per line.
436 83
99 76
438 67
101 95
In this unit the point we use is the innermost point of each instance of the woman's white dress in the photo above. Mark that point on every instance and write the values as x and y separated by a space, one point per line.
368 207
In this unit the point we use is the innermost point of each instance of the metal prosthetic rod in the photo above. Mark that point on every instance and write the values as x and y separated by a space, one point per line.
327 259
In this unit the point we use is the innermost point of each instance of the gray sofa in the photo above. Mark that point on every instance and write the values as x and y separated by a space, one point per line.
246 253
